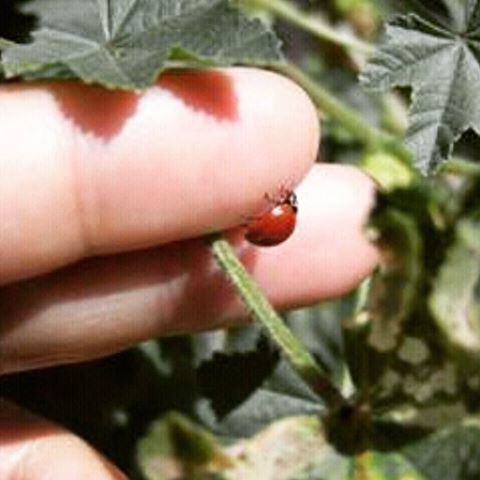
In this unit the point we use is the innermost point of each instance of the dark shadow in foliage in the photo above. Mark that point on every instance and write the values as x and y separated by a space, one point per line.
389 436
352 431
18 425
467 146
430 9
348 428
14 25
417 201
227 380
110 402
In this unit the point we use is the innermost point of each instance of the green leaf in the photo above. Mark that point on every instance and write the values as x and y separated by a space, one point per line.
5 43
455 299
127 43
320 330
441 62
255 300
388 171
347 89
393 289
282 395
452 453
174 447
279 452
395 355
298 448
286 450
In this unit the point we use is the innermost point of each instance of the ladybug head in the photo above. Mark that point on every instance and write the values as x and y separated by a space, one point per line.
291 199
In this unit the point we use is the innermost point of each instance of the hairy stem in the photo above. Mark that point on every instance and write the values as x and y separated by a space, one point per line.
261 310
333 108
461 166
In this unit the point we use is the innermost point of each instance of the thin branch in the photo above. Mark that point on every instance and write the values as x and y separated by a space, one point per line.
288 11
348 118
256 302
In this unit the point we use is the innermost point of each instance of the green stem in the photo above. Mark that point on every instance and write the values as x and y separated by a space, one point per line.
301 360
460 166
344 115
291 13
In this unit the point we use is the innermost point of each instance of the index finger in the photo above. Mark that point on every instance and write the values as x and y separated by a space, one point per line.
93 172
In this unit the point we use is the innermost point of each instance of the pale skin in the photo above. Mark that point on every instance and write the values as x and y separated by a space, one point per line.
103 198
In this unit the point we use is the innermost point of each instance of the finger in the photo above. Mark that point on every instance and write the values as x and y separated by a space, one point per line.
105 304
92 172
328 254
33 449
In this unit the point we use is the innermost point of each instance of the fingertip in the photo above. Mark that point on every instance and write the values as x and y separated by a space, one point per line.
34 449
111 172
286 116
328 253
219 140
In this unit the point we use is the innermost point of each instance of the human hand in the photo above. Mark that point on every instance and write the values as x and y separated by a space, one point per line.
100 197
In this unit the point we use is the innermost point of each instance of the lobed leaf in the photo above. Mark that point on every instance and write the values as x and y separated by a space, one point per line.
440 61
127 43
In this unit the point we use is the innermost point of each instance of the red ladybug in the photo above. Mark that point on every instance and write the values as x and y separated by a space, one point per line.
277 223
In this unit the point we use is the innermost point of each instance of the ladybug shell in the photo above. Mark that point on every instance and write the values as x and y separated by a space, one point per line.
272 227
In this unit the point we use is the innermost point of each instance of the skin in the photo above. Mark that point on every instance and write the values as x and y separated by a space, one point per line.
103 196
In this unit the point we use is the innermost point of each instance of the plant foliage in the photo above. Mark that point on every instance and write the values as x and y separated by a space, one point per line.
440 61
127 43
381 384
